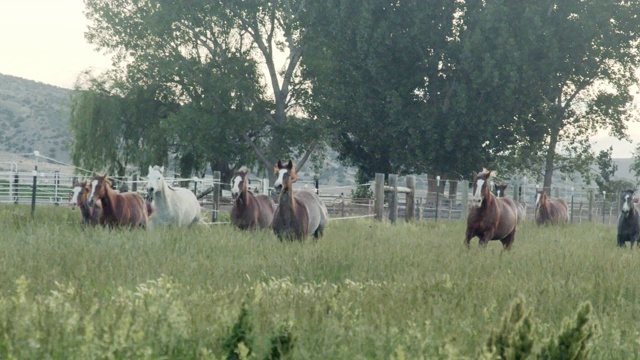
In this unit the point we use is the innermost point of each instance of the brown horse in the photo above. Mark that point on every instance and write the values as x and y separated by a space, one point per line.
90 215
501 191
128 209
550 211
249 211
299 213
490 218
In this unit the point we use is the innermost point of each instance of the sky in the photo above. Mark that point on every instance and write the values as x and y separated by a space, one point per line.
43 40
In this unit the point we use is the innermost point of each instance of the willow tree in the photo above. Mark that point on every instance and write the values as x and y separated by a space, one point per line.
207 57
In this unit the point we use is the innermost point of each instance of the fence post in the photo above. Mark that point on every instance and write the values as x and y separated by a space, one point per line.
571 219
464 201
590 205
56 184
265 187
604 204
410 198
216 195
378 204
33 191
317 182
419 209
13 187
437 196
393 199
134 182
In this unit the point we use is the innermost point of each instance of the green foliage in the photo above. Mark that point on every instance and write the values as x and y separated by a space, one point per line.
575 340
238 344
607 170
365 290
515 338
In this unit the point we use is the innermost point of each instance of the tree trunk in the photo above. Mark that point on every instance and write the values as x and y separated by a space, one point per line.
549 159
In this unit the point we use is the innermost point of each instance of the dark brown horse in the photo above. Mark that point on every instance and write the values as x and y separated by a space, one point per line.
249 211
299 214
550 211
90 215
490 217
118 210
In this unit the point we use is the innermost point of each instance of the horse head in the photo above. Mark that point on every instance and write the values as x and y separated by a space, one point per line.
626 201
541 197
75 193
239 182
155 181
481 187
500 190
99 186
286 176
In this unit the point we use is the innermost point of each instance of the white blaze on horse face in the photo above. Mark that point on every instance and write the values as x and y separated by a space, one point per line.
625 205
235 185
476 200
74 197
94 183
280 179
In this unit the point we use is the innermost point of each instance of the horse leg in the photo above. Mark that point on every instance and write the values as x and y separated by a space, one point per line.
508 240
484 239
621 241
319 232
467 238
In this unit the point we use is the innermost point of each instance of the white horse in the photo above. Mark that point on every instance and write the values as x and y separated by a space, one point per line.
173 206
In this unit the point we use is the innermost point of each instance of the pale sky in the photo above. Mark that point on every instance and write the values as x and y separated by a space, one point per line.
43 40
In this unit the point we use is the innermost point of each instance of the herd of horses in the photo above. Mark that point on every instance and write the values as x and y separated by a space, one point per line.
298 215
495 217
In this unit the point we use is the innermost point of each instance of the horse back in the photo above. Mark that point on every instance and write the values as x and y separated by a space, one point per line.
266 209
508 217
131 209
317 211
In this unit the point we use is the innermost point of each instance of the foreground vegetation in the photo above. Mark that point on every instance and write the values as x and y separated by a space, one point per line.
366 290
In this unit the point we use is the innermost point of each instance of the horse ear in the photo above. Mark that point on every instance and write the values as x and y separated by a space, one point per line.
162 169
493 173
289 165
150 169
279 164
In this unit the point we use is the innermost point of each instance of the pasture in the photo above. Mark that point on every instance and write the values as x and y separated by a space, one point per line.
365 290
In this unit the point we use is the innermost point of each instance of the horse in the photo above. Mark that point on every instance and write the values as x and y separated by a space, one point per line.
249 211
173 206
299 213
501 191
118 210
550 211
628 220
490 217
80 197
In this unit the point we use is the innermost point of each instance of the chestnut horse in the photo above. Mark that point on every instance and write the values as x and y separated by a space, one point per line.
249 211
128 209
501 191
299 213
490 217
80 197
550 211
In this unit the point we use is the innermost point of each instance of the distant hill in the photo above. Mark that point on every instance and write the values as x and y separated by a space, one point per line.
34 116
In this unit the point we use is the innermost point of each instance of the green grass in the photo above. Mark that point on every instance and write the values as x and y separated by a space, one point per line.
365 290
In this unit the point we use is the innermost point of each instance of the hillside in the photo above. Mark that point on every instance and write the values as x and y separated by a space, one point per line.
34 116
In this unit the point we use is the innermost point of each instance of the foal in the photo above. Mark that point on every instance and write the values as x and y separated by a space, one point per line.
249 211
628 220
80 197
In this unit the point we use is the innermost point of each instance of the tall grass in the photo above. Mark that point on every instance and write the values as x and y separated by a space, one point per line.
365 290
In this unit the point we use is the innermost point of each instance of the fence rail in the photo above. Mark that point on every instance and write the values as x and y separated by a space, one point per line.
444 201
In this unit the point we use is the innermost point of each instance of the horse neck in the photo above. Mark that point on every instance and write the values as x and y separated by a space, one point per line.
109 200
544 206
244 198
489 200
287 202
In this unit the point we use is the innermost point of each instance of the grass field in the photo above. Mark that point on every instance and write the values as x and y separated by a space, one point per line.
365 291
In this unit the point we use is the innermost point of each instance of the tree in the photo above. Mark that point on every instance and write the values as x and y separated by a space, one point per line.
374 66
607 170
582 57
635 166
206 57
